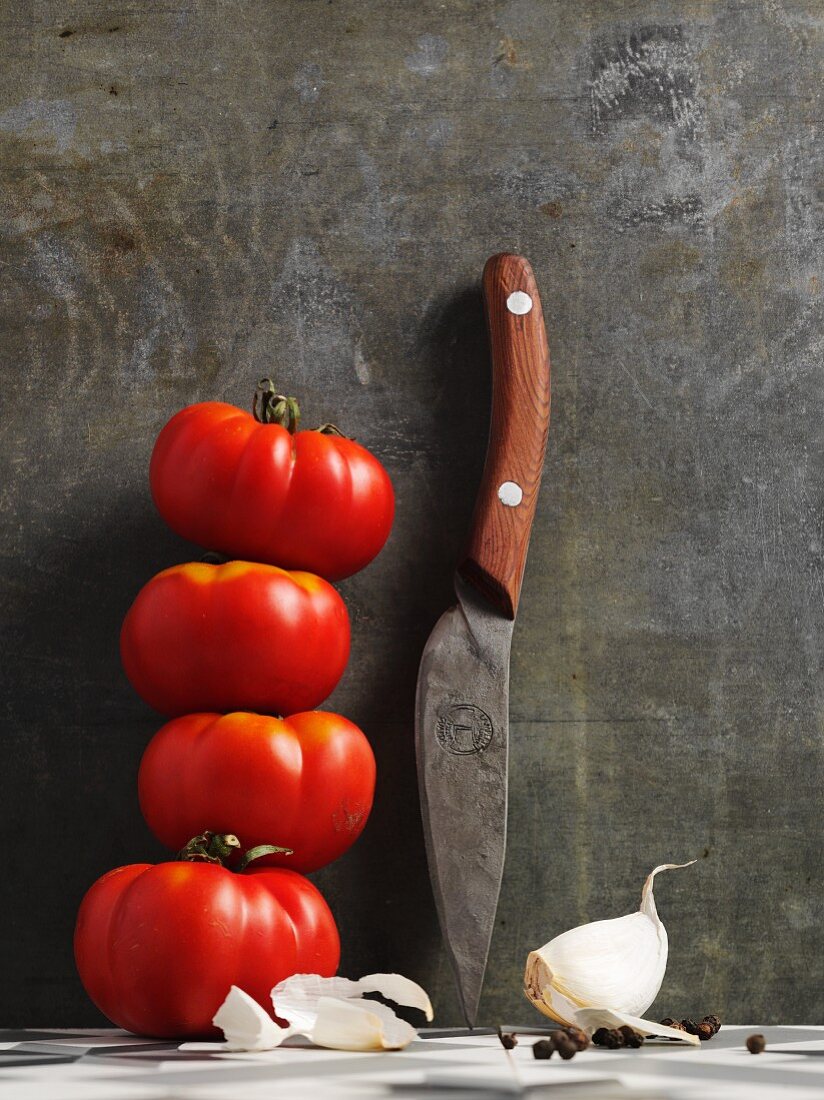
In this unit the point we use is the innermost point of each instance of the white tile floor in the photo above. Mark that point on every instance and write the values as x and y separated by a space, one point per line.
110 1065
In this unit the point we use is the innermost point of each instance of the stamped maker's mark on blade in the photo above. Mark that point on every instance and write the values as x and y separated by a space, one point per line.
461 729
464 729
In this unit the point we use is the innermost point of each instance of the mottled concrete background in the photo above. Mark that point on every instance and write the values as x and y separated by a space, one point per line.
197 193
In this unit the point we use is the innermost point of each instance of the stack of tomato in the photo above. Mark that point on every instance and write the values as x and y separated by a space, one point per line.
250 784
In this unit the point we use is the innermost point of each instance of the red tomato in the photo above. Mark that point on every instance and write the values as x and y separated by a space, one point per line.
308 500
304 782
158 946
239 636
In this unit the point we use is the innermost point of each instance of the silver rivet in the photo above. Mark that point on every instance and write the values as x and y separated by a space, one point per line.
510 493
518 302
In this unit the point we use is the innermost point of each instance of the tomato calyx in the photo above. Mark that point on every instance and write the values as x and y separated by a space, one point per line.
271 407
220 848
209 847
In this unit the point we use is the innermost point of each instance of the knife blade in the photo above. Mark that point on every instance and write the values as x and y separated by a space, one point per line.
462 703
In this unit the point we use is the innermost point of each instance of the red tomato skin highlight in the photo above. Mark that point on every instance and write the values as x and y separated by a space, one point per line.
305 782
158 946
239 636
308 501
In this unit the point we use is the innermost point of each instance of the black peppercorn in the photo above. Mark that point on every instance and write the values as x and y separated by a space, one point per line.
566 1047
599 1037
669 1022
631 1037
714 1023
509 1041
690 1026
705 1031
544 1048
578 1036
756 1044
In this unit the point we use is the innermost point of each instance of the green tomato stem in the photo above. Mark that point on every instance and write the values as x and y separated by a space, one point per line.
271 407
219 848
262 850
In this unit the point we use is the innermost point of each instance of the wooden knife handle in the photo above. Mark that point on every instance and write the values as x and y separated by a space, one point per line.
499 537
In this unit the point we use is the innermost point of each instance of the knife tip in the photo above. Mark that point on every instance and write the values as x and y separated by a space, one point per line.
469 1006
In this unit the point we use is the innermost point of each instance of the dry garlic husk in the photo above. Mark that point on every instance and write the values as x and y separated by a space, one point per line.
612 966
332 1012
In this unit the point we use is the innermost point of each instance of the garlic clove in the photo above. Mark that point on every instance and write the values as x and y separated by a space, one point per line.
618 963
592 1018
359 1025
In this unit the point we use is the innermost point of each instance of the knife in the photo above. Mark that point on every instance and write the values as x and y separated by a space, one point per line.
462 705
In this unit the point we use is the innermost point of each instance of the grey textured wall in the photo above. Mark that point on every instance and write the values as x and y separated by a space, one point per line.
197 193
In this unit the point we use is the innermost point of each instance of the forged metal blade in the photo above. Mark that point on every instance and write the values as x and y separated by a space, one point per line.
462 738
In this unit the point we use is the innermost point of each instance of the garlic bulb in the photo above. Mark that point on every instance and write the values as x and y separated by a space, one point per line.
613 965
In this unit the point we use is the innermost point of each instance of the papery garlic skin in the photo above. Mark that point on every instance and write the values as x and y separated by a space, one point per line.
296 998
245 1025
329 1011
591 1018
610 964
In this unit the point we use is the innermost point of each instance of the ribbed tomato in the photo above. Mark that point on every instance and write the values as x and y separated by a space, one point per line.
304 782
258 489
239 636
159 946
